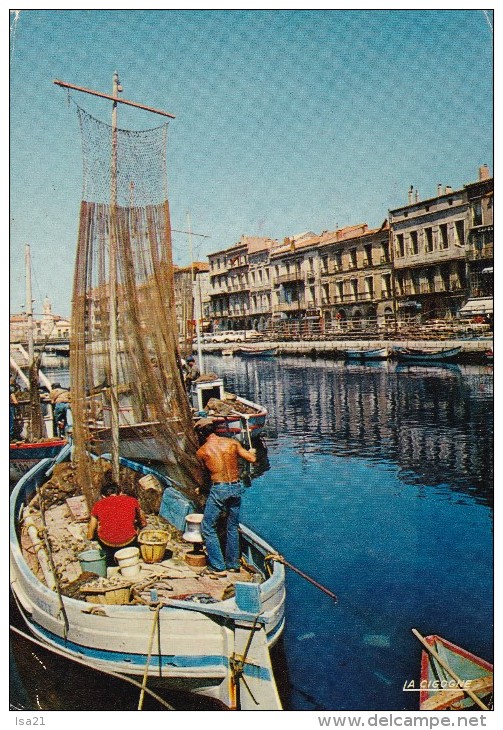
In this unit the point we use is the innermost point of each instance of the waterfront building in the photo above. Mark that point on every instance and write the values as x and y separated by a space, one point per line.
46 326
239 284
429 260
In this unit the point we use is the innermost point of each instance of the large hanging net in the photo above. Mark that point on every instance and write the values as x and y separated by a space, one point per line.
125 209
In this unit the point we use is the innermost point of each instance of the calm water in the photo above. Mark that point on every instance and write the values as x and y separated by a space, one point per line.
377 482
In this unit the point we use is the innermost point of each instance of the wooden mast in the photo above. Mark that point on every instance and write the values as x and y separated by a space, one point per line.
114 379
114 97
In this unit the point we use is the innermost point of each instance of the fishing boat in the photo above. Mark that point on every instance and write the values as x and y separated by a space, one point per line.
453 678
378 353
406 354
206 634
250 351
211 637
34 438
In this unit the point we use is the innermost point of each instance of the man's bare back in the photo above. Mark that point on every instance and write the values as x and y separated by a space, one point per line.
220 457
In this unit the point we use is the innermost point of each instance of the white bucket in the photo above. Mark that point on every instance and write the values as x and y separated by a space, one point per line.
130 571
128 558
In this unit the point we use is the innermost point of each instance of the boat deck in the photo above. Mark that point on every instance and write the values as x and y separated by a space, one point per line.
172 578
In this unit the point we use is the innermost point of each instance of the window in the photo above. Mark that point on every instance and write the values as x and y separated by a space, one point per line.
385 252
428 242
338 260
386 286
459 229
352 258
444 237
369 286
477 213
339 289
324 264
400 248
414 246
368 254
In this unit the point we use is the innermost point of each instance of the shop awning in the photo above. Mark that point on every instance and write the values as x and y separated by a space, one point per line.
478 305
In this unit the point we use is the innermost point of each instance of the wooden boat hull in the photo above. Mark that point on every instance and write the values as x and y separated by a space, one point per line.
438 689
197 641
380 353
239 426
24 456
422 356
257 352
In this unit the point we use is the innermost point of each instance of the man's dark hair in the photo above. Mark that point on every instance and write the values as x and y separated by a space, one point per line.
110 487
206 429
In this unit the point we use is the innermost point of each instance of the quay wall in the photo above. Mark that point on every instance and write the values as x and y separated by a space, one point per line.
472 349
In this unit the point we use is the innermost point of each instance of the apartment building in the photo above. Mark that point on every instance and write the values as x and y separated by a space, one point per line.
239 289
430 259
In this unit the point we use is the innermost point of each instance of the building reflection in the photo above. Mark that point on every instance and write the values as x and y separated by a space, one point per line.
435 423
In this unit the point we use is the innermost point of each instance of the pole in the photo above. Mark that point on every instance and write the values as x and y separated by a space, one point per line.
114 397
197 313
450 671
29 306
113 98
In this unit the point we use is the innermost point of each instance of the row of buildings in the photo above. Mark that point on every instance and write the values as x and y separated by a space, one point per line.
430 259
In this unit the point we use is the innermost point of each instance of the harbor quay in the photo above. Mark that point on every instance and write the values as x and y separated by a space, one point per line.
472 351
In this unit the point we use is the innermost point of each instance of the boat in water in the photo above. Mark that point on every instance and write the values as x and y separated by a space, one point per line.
33 436
406 354
453 678
378 353
251 351
161 619
211 636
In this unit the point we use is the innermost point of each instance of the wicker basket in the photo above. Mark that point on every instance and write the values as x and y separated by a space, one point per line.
114 595
153 545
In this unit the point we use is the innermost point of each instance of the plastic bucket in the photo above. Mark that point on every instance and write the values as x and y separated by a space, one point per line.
130 571
127 556
93 561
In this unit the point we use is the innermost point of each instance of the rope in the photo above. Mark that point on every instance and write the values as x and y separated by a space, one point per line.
108 672
150 644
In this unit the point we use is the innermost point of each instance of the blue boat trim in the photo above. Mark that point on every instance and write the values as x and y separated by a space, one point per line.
140 660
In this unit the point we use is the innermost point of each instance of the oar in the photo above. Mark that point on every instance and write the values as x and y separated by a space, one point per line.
281 559
450 671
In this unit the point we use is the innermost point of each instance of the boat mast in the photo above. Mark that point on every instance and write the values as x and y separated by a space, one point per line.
114 97
114 379
196 312
29 306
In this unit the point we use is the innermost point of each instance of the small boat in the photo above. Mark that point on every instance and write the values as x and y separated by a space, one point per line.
228 352
212 637
378 353
250 351
453 678
406 354
23 455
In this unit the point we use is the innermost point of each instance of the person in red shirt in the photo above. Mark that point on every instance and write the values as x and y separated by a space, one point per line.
116 517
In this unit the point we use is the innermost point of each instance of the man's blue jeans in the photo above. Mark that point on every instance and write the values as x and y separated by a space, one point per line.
222 497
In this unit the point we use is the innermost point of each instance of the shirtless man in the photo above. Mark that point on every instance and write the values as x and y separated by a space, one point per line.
221 457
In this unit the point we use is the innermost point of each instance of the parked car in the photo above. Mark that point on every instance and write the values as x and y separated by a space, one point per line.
231 336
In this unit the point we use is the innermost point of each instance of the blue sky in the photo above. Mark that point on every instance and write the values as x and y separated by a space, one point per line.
286 121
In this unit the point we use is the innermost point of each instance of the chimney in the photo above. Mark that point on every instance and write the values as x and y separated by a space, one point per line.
417 196
484 172
411 194
448 189
439 189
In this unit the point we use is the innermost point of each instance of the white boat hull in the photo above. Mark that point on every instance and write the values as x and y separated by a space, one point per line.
197 642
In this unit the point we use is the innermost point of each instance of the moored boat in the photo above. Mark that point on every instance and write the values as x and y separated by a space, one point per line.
378 353
212 637
453 678
23 455
406 354
250 351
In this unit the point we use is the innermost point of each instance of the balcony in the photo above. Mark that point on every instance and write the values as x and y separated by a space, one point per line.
475 254
286 278
290 306
385 260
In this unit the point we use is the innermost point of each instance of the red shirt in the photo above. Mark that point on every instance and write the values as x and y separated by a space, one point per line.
117 515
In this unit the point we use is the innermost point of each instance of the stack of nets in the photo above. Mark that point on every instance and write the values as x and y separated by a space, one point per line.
125 208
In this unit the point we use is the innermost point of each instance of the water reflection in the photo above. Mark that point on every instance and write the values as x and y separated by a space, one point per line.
434 422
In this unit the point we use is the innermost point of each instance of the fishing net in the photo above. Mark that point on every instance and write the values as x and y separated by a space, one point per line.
125 209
